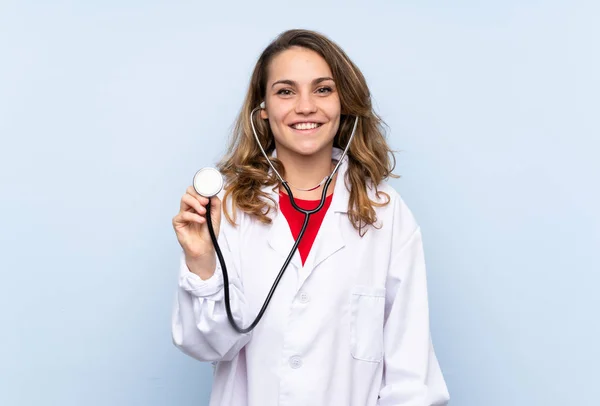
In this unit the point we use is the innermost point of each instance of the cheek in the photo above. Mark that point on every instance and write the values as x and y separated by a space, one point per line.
333 110
334 116
277 119
276 124
335 128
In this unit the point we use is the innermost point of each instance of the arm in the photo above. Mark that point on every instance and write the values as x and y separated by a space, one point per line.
200 327
412 375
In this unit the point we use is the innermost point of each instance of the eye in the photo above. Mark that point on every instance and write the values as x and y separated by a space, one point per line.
324 90
284 92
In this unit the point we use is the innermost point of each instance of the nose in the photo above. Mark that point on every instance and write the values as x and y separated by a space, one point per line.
306 104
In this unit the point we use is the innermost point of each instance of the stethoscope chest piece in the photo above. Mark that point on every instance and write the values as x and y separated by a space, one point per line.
208 182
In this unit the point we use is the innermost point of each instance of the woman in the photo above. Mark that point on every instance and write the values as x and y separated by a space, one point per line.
348 322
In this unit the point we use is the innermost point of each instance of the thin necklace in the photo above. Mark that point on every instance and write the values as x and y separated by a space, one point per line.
314 187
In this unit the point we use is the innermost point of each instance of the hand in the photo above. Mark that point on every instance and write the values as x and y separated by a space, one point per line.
192 232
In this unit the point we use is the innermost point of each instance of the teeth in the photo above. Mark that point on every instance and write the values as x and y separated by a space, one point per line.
305 126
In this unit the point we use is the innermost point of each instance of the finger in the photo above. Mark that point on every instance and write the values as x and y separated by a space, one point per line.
203 200
189 203
215 202
188 217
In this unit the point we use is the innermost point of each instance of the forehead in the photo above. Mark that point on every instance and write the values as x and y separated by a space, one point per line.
298 64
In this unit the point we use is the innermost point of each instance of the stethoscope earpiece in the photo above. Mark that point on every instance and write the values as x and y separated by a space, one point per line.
208 182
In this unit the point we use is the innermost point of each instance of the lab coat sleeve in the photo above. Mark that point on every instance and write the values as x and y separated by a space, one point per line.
412 375
200 327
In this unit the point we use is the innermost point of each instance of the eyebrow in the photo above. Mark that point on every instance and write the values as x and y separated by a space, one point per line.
292 83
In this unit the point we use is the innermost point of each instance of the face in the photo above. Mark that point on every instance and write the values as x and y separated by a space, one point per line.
302 103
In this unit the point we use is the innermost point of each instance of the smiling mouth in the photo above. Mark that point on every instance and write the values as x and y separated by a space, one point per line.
305 126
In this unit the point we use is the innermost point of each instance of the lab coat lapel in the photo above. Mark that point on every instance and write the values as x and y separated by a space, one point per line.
280 236
329 240
330 237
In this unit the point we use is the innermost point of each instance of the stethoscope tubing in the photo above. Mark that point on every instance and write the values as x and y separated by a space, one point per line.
307 214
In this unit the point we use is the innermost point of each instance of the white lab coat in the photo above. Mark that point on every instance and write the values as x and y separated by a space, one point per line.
350 327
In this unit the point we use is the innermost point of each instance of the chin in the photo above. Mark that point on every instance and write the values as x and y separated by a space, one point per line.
309 149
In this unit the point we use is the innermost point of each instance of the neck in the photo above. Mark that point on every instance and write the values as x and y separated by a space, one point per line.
306 172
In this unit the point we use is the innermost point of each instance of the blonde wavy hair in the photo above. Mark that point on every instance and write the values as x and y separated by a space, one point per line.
370 159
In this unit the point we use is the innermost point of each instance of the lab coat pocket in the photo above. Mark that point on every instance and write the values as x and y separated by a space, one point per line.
366 323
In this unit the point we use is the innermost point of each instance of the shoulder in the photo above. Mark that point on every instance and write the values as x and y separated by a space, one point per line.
396 215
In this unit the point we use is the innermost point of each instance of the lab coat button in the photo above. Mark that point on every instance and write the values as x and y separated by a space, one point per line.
295 362
304 297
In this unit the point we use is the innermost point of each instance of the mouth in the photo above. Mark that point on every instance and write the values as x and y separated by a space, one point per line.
305 127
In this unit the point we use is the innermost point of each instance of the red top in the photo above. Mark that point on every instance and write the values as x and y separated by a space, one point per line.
295 219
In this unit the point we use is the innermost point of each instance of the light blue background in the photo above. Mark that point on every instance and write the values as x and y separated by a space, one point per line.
108 108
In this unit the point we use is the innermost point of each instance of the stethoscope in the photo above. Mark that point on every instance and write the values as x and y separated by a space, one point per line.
208 182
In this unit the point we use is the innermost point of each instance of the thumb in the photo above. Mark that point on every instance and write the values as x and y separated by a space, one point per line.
215 214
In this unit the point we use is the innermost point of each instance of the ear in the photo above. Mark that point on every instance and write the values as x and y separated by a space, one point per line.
263 114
